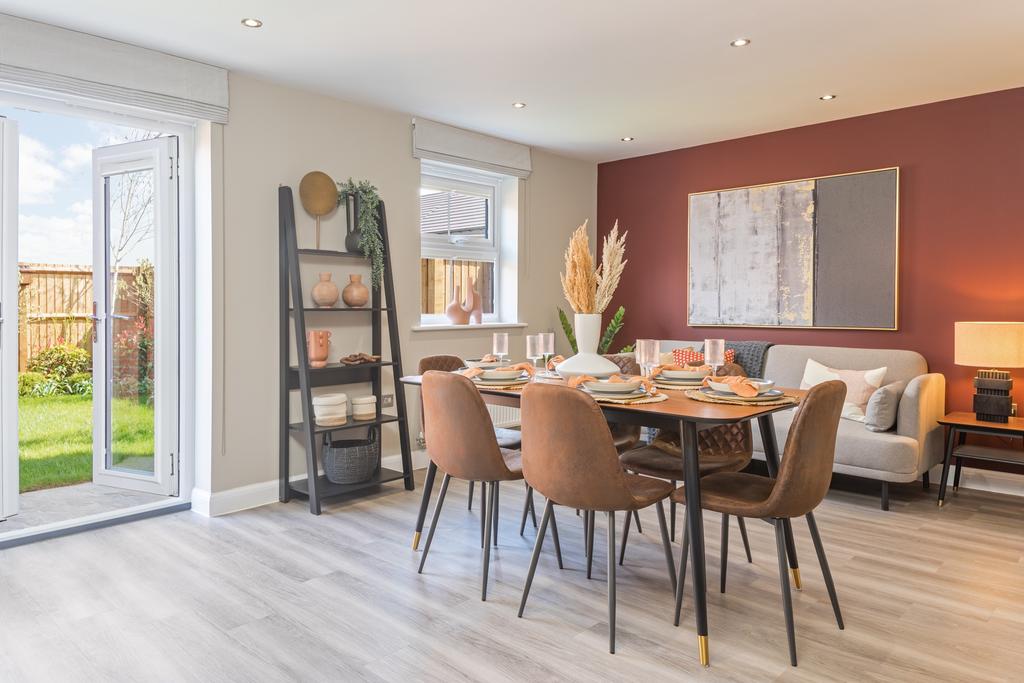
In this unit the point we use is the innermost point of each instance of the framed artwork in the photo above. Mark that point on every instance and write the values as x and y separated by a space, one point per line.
815 253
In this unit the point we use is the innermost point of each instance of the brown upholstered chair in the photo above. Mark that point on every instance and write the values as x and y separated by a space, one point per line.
625 436
569 457
802 482
461 442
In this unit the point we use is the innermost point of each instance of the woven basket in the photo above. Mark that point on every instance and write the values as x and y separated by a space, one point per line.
351 461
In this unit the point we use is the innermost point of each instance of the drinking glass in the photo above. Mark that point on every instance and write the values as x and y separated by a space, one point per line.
714 354
647 354
499 346
547 346
533 348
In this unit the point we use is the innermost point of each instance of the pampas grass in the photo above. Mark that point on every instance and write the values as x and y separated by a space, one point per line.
590 290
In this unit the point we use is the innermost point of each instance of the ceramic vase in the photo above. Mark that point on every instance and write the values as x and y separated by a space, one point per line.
355 294
475 305
325 292
454 311
318 343
587 360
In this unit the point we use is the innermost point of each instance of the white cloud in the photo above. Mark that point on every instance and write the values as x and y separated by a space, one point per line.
57 239
76 156
38 176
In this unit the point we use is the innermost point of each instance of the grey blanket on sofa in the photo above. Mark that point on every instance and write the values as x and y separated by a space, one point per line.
750 355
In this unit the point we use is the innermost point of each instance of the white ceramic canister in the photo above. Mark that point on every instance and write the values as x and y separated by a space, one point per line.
331 410
364 407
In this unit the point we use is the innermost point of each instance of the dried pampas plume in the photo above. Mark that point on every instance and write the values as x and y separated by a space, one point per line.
590 290
612 263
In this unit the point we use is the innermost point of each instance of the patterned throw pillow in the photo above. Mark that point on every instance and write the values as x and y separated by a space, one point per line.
860 385
687 356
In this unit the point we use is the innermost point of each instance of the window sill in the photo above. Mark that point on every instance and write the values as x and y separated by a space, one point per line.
446 327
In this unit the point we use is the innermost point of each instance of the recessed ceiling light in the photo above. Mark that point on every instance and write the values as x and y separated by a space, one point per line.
251 23
740 42
826 98
626 139
519 105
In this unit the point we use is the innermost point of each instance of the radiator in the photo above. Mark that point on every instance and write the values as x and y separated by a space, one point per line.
504 416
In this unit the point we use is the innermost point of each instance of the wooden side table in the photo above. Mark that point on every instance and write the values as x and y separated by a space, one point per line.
959 425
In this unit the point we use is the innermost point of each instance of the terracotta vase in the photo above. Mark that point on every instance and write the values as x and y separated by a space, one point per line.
454 311
475 304
355 294
325 292
318 343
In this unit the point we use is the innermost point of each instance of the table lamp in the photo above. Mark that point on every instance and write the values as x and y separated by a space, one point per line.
990 345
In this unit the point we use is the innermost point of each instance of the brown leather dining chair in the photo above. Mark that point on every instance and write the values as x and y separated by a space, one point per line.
569 457
461 442
802 482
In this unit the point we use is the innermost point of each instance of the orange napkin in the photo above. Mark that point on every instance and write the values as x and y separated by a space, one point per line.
575 382
526 367
489 358
470 372
554 360
741 386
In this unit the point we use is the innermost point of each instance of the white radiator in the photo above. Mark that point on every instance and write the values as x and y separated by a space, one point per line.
504 416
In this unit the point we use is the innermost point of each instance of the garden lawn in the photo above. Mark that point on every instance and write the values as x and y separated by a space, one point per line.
55 438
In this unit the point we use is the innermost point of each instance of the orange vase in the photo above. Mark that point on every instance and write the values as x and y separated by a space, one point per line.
318 343
355 294
457 315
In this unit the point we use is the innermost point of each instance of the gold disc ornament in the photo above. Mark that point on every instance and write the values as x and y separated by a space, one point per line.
319 196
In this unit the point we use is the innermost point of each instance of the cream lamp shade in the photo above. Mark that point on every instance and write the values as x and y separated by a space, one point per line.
989 344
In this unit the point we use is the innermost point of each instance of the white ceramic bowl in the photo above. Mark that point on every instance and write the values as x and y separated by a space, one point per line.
501 375
763 385
603 386
685 374
477 363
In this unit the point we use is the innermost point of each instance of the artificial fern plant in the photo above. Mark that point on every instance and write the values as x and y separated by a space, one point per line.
614 325
367 223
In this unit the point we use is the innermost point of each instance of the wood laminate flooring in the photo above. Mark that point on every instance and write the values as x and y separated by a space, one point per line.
275 594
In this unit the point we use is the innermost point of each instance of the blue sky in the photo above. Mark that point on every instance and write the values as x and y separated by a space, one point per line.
55 183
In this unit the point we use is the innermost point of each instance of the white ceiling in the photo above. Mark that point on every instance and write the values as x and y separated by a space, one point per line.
591 71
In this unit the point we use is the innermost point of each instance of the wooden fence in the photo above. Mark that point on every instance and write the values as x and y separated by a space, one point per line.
439 277
54 305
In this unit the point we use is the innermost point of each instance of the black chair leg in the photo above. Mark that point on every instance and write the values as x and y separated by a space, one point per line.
746 542
823 562
636 516
672 515
787 597
483 513
956 475
926 480
526 508
433 520
488 521
554 537
494 504
469 504
591 518
665 543
533 508
625 536
681 580
725 550
537 545
885 496
611 580
586 526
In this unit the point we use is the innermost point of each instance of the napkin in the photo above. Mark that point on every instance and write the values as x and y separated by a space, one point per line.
575 382
555 360
489 358
525 367
470 372
741 386
692 368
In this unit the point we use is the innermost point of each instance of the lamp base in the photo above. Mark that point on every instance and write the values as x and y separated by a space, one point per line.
992 402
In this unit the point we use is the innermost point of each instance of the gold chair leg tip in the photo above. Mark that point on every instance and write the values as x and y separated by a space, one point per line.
796 578
416 541
702 647
941 502
955 489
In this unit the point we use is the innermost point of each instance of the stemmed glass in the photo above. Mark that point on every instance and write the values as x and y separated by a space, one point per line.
647 355
533 348
547 346
714 354
500 345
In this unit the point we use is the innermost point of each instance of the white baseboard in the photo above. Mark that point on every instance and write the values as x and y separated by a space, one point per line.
250 496
986 480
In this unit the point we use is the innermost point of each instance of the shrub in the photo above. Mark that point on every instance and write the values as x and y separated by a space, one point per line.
60 362
28 381
80 384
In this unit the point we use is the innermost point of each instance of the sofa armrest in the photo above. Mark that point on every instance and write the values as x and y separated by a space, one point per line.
922 405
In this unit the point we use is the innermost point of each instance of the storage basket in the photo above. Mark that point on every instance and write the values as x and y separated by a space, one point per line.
351 461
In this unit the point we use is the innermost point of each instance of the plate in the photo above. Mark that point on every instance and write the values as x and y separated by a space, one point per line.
501 375
522 379
685 374
763 385
679 382
607 387
770 395
606 394
477 363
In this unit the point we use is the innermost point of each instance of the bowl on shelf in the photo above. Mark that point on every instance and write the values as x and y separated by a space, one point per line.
762 385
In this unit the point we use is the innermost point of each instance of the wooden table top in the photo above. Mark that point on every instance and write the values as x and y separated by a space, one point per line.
677 407
969 420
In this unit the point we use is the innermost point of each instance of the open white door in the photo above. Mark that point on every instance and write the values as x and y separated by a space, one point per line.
135 339
8 318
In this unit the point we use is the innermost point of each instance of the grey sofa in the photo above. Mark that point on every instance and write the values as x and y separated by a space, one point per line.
904 454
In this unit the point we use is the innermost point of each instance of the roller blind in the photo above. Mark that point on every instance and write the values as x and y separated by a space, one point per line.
41 57
440 142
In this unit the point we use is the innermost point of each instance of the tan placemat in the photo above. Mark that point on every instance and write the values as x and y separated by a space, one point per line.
674 387
502 387
656 398
781 401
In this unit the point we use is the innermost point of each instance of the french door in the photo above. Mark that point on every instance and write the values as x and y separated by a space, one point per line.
8 318
135 315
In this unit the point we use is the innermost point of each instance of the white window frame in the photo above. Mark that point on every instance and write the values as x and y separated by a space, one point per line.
441 176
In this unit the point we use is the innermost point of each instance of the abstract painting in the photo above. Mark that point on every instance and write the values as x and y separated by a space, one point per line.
818 252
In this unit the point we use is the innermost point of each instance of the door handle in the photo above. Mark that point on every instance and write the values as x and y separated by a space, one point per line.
118 316
96 319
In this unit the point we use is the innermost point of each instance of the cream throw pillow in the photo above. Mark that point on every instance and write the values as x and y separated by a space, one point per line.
860 384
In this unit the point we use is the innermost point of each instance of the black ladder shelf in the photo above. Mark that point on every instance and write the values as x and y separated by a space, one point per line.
303 378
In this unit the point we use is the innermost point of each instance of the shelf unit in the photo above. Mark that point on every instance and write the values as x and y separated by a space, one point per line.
304 379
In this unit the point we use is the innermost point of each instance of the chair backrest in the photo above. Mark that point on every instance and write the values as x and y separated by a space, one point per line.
626 362
441 362
458 429
568 453
806 469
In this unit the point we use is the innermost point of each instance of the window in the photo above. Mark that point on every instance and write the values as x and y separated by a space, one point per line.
463 230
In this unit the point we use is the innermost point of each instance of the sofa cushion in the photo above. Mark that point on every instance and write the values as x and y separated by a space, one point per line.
857 446
880 415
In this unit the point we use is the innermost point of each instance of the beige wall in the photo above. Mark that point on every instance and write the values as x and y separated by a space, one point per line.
275 136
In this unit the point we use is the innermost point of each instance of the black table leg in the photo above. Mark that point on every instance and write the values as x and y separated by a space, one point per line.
695 522
771 457
950 438
428 485
959 463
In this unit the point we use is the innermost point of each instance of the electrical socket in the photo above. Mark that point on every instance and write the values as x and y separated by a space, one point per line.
387 400
1013 409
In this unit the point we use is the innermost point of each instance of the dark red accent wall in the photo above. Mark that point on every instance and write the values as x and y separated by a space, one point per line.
961 220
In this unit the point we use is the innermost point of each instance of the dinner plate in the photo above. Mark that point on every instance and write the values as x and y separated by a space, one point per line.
693 375
605 394
679 382
522 379
608 387
763 385
770 395
501 375
488 365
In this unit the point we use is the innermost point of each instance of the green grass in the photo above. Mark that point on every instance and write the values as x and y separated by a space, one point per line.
55 439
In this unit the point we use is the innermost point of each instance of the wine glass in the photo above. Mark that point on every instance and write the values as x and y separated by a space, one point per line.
714 354
533 348
647 355
499 346
547 346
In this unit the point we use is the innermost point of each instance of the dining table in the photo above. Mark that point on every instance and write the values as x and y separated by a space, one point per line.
676 412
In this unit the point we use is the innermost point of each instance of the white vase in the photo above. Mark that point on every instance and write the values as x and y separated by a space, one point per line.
587 361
